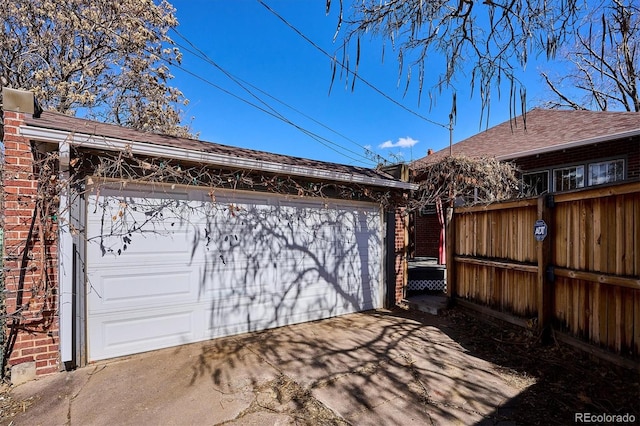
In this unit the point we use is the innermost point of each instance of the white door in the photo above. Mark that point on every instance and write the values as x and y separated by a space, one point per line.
166 268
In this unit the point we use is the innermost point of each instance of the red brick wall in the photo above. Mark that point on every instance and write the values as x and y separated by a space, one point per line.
629 148
401 242
30 260
426 235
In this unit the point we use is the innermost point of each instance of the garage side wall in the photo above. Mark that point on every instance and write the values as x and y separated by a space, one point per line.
30 261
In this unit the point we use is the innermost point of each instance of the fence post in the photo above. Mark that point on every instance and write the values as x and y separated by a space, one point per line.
544 289
450 245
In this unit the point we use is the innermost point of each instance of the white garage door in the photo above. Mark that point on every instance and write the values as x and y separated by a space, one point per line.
166 268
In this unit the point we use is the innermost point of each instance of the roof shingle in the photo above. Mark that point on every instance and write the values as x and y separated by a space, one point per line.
543 128
58 121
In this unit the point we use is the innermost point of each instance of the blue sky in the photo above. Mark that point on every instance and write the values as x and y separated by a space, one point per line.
249 42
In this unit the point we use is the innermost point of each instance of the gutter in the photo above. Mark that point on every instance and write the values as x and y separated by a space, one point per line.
115 144
573 144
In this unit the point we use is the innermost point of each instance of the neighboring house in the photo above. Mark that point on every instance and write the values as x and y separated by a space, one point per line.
161 241
556 150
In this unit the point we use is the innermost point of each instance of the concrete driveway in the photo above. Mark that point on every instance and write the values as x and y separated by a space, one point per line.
370 368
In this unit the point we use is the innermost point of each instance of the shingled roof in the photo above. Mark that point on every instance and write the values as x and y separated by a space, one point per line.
542 130
78 126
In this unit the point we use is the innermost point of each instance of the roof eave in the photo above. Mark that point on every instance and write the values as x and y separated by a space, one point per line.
573 144
142 148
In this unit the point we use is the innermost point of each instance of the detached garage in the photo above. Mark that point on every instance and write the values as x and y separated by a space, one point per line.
202 269
161 241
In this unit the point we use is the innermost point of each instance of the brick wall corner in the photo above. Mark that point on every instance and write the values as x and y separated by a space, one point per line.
29 260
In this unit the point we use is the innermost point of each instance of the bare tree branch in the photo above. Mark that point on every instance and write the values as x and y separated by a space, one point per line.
456 33
564 100
603 66
470 180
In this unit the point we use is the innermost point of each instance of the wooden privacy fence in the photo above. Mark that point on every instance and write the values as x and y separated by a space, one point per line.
582 279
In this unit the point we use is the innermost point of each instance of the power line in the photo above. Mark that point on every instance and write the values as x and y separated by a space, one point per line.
354 74
243 84
199 53
327 143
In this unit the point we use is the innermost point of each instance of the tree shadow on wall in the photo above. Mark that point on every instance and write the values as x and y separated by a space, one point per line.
266 266
244 262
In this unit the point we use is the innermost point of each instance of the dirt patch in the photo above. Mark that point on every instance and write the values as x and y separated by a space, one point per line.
10 407
285 396
561 381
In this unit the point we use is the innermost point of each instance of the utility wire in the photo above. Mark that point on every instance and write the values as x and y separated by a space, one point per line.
324 141
354 74
200 54
243 84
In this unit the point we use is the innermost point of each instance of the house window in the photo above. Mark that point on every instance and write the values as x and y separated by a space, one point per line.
606 171
536 183
428 209
568 178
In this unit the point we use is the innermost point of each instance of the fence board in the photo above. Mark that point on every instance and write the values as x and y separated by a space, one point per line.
492 248
619 237
604 235
506 290
559 296
478 234
588 312
465 233
636 317
589 240
611 237
594 325
486 225
474 229
533 299
569 303
560 238
594 239
636 239
597 236
604 314
513 249
574 236
582 236
614 322
627 321
628 236
633 283
582 309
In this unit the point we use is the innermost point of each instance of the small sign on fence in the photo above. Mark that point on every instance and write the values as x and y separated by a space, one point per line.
540 230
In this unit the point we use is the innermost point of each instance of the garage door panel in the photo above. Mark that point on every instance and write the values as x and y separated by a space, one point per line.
256 293
118 336
242 272
132 289
229 320
239 264
148 246
301 292
287 300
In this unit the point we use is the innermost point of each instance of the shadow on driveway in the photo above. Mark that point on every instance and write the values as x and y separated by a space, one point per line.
377 368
